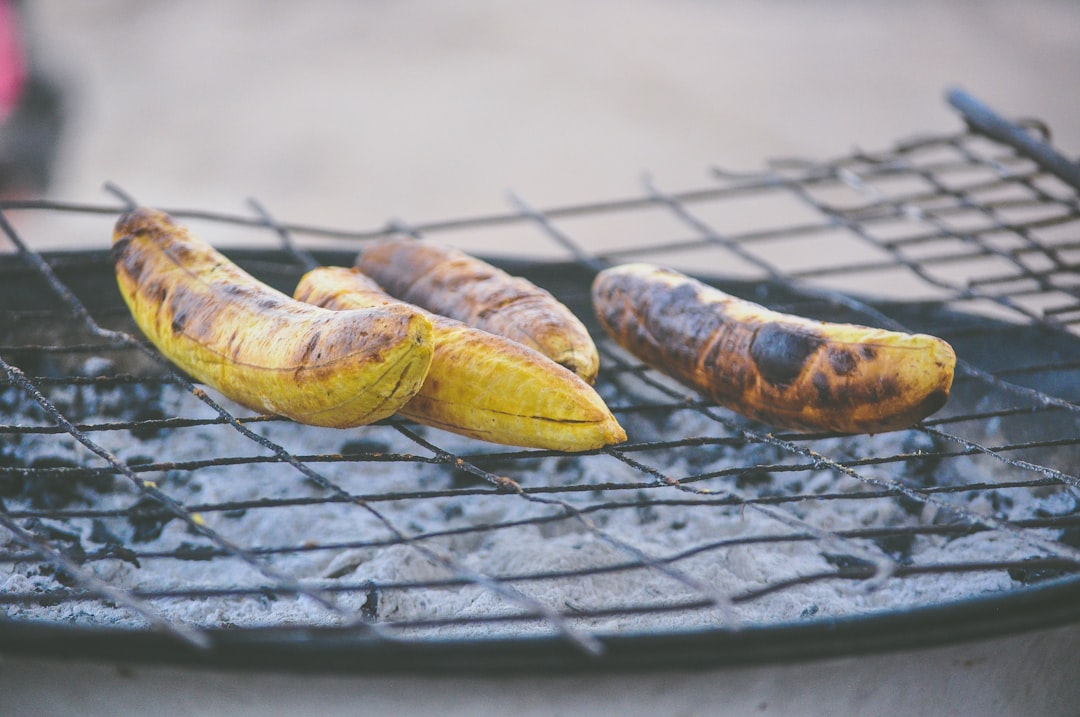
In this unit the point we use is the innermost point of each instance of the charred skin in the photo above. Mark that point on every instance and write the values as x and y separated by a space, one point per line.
258 346
448 282
481 385
776 368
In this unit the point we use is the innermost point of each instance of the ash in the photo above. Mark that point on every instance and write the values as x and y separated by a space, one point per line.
664 540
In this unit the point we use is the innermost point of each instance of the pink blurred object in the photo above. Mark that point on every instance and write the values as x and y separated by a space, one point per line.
12 64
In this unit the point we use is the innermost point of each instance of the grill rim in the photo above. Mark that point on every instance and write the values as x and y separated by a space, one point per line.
1052 604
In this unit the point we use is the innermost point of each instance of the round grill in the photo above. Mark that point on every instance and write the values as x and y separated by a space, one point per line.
145 517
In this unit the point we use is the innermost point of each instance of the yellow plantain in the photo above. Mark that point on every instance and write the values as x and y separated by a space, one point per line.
784 370
481 385
449 282
258 346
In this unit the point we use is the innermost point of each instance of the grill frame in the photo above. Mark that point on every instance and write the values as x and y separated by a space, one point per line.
1046 605
334 651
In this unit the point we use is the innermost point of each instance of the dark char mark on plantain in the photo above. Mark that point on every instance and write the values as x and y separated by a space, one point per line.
678 324
781 353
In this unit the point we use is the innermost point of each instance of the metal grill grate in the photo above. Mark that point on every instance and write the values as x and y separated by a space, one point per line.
132 499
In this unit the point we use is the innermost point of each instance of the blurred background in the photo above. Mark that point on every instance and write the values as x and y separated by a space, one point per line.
350 114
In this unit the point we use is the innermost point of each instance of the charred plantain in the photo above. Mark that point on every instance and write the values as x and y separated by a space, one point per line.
784 370
258 346
449 282
481 385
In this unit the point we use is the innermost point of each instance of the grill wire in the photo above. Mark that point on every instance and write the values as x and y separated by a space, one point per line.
978 242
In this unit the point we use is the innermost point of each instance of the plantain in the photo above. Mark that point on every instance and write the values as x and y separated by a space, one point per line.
780 369
449 282
258 346
481 385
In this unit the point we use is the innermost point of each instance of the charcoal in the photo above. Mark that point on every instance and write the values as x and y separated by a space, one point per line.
147 519
1034 575
119 552
646 513
364 446
100 533
370 608
60 483
51 530
753 478
149 412
1070 536
850 564
898 546
191 551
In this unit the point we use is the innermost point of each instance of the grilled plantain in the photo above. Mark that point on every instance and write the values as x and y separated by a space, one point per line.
784 370
449 282
258 346
481 385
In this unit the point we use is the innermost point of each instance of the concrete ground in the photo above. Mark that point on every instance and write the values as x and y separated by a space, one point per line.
349 114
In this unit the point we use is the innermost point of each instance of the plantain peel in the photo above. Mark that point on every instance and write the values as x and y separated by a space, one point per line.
449 282
481 385
258 346
780 369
